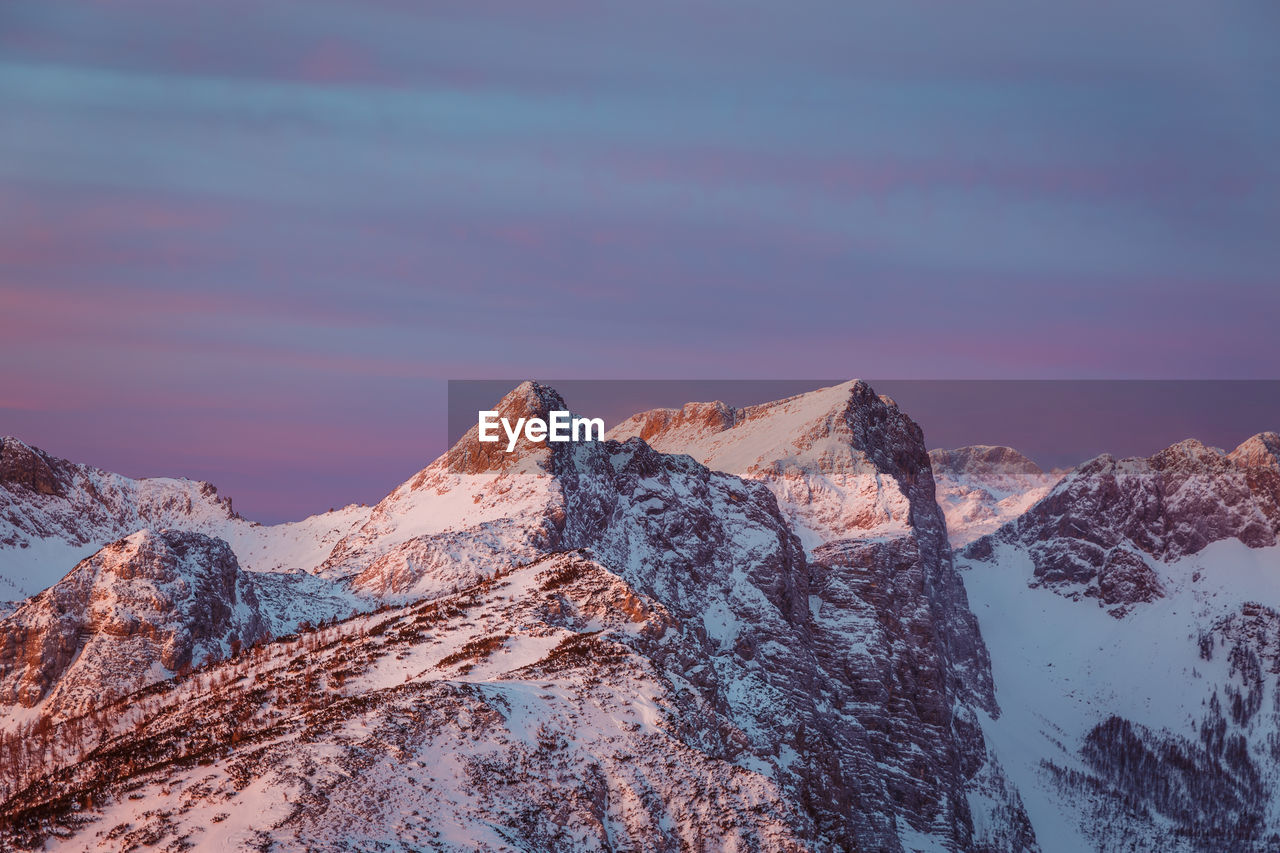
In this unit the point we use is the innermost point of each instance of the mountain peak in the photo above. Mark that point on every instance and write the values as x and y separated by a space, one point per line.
530 399
1259 451
691 418
1122 516
28 467
794 431
1188 451
982 459
469 455
166 598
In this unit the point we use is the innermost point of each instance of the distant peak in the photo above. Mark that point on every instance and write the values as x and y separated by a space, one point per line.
809 413
28 467
711 417
982 459
1189 450
1259 451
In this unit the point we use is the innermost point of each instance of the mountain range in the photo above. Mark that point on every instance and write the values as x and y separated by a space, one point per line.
788 626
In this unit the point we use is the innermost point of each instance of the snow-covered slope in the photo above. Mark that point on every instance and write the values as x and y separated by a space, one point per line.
1133 618
826 698
1154 731
850 472
981 487
54 513
807 448
525 713
731 629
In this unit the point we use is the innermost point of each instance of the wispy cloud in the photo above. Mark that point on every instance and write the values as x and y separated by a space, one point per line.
241 212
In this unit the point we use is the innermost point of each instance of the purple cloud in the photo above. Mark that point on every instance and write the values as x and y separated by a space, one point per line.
222 242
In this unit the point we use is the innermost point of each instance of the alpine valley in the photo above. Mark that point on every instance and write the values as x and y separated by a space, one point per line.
785 627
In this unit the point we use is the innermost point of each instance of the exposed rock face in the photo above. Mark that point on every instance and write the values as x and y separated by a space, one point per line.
982 487
917 664
42 496
137 611
1096 532
785 593
472 456
688 423
29 468
1259 454
916 744
826 455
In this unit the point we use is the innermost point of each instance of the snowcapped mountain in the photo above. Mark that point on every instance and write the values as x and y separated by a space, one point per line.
841 688
811 449
54 513
723 628
1098 532
473 511
526 712
123 616
1132 620
889 616
981 487
718 552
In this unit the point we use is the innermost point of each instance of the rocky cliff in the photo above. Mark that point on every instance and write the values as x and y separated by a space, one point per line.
1098 532
139 610
808 638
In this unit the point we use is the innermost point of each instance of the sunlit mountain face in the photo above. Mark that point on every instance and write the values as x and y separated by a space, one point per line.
786 625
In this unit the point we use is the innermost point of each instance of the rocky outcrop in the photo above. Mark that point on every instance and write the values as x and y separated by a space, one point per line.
903 736
812 449
1259 454
843 463
475 510
784 588
54 513
43 496
682 425
472 456
137 611
1097 532
24 467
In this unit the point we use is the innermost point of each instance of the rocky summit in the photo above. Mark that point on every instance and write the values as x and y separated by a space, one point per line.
721 628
